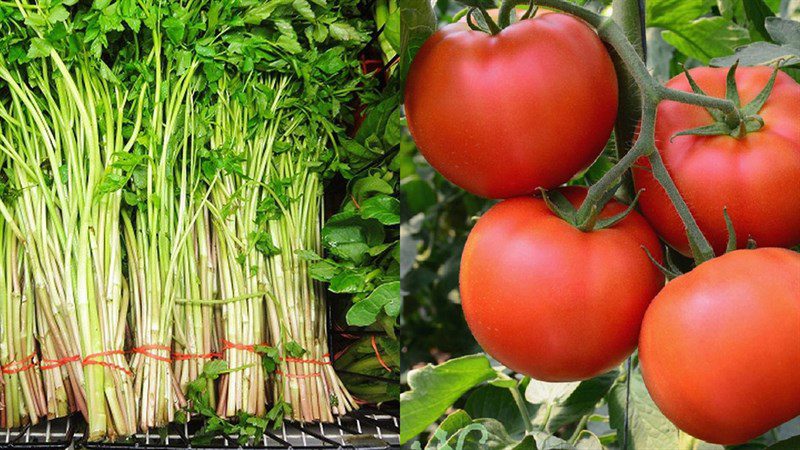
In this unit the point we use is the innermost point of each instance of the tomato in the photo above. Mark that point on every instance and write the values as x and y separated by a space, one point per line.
554 302
720 346
756 177
502 115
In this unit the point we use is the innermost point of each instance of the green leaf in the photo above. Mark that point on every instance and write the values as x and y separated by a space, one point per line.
582 401
39 48
433 389
348 281
760 54
58 14
383 208
588 441
488 434
265 245
793 443
784 31
692 40
648 428
757 12
384 297
497 403
294 349
350 237
176 30
289 44
449 426
669 13
370 185
345 32
417 23
546 441
418 195
323 270
543 392
304 9
331 61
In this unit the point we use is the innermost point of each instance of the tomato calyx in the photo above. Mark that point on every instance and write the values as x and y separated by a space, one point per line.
743 120
479 19
590 221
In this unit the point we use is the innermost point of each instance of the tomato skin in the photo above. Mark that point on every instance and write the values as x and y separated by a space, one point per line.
720 346
502 115
551 301
757 177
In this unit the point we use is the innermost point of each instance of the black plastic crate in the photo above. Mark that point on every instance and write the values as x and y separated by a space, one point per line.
363 429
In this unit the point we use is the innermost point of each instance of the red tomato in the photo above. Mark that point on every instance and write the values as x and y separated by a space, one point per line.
502 115
720 346
551 301
757 177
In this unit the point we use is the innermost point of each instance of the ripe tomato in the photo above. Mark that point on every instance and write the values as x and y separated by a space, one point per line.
551 301
502 115
720 346
756 177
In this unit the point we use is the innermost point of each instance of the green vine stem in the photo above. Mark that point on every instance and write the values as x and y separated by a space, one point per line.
523 410
652 92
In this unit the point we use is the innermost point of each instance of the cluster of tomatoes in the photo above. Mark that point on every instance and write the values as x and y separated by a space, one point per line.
502 115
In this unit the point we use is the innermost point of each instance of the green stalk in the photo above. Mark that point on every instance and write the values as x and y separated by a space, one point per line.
651 93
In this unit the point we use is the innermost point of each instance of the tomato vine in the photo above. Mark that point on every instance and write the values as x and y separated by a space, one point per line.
651 92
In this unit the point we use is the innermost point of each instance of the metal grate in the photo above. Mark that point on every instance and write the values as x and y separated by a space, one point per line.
364 429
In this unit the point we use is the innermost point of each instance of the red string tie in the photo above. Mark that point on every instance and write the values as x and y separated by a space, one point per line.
18 366
50 364
186 356
91 360
228 345
148 351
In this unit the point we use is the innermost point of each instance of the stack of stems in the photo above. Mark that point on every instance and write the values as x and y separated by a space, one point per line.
240 266
23 398
155 233
68 132
295 308
195 337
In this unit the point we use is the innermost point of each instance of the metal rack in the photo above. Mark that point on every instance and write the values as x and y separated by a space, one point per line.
363 429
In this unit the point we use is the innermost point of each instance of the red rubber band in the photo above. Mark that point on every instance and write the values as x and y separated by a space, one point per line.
147 350
90 360
378 354
50 364
228 345
187 356
18 366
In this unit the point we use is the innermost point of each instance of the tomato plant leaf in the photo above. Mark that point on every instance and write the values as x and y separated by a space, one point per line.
648 428
433 389
588 441
488 434
543 392
491 402
757 12
582 401
787 444
449 426
783 31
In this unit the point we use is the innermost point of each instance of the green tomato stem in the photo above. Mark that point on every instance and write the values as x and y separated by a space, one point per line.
652 92
523 410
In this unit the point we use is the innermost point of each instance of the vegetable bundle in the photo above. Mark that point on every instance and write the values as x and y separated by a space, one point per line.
163 169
